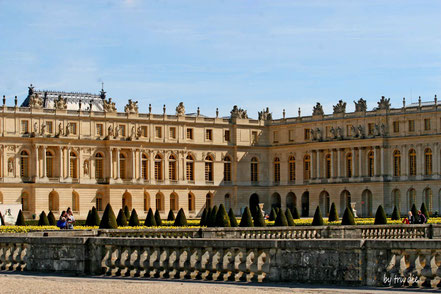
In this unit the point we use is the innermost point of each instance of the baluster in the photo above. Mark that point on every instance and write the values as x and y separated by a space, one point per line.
173 263
240 264
163 263
125 261
183 263
23 257
9 254
228 265
428 272
208 264
155 261
144 262
119 251
2 256
393 268
135 262
16 256
264 265
253 266
198 265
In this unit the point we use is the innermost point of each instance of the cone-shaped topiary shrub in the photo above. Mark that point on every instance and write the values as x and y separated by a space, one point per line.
295 213
203 218
108 221
424 210
20 219
289 218
171 216
134 221
273 215
181 220
51 219
277 209
212 218
380 216
395 214
121 219
254 209
2 220
246 220
43 221
89 218
127 211
318 219
414 210
333 214
281 220
95 217
348 218
222 219
158 218
233 220
258 219
150 219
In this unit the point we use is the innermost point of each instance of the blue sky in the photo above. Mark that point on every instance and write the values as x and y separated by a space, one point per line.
209 53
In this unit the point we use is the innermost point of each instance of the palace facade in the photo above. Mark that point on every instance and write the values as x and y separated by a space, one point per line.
62 150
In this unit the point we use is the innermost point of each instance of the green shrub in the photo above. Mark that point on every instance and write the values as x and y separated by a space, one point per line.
424 210
150 219
414 210
289 218
42 220
51 219
127 211
254 209
158 219
2 220
94 218
246 220
333 214
277 209
108 221
395 214
222 219
348 218
281 220
20 219
233 220
380 216
318 219
181 220
203 218
258 219
121 219
295 213
89 218
134 221
273 215
171 216
212 218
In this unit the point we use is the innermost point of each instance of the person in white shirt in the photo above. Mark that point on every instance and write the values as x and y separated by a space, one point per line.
70 219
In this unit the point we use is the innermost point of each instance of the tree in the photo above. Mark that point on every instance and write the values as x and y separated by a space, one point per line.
233 220
181 220
212 218
127 211
348 218
273 215
43 221
333 214
414 211
20 219
171 216
51 219
121 219
203 217
222 219
281 220
158 218
295 213
258 219
150 219
246 220
289 218
318 219
424 210
134 221
395 214
380 216
108 221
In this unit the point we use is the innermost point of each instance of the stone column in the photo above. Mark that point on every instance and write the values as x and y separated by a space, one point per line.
332 163
139 164
382 159
435 158
339 163
375 161
68 162
133 165
404 161
152 165
318 165
165 166
313 164
353 162
118 169
44 163
420 160
61 163
360 162
37 166
111 163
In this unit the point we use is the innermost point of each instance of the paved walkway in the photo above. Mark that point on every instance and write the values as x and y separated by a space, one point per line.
41 283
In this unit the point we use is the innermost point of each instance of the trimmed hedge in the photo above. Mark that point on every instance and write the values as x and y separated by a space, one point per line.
2 220
108 221
121 219
246 220
395 214
51 219
134 220
222 219
281 220
42 220
212 218
424 211
203 218
181 220
348 218
158 218
258 219
289 218
333 214
233 220
414 210
20 219
295 213
127 211
171 216
93 218
380 216
150 219
318 219
273 215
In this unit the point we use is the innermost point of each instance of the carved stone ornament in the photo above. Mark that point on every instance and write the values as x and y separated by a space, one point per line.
109 106
110 131
265 114
384 103
35 101
131 107
10 165
138 132
340 107
61 103
317 109
86 167
237 112
361 105
180 109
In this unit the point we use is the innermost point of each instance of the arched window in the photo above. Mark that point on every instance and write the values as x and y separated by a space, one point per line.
99 202
366 203
428 199
172 170
208 200
73 165
324 202
254 170
428 162
397 163
174 202
122 165
292 168
158 167
24 201
209 168
126 200
328 166
276 170
349 165
189 165
75 201
371 165
146 201
307 167
411 195
145 164
49 164
412 162
227 169
227 202
159 202
53 201
24 164
191 202
99 166
396 199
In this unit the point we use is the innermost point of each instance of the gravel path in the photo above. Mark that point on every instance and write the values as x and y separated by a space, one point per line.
36 283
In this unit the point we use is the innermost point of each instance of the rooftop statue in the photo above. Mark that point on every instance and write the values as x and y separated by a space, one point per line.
109 106
384 103
340 107
361 105
35 101
180 109
265 114
61 103
317 109
238 112
131 107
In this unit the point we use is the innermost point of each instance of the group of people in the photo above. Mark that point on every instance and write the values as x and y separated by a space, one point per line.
66 220
420 218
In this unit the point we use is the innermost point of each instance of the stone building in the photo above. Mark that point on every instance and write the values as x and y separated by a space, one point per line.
63 149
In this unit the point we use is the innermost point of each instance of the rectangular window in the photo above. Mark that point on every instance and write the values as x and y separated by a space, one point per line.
227 135
307 134
411 126
209 135
122 130
24 126
396 126
275 137
427 124
172 133
189 133
49 127
371 129
158 132
254 137
73 128
144 131
291 135
99 129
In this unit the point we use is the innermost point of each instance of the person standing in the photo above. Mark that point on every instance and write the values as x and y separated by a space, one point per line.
411 218
70 219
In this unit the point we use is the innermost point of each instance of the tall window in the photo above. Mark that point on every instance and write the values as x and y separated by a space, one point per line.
122 166
209 168
371 165
428 162
158 167
174 202
172 168
427 124
396 199
254 170
412 162
307 167
24 164
25 201
428 199
397 163
227 169
146 201
209 135
99 166
73 166
159 202
411 125
349 165
99 202
24 126
189 165
411 198
396 126
276 170
75 201
144 164
191 202
208 200
328 166
49 164
292 168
